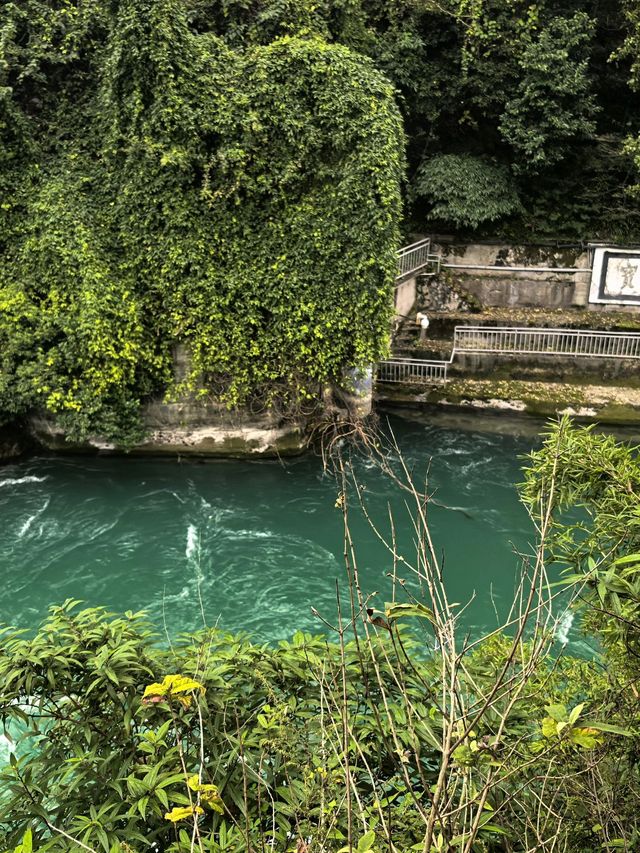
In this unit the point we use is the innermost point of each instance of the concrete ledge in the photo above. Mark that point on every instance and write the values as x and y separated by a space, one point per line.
599 403
211 440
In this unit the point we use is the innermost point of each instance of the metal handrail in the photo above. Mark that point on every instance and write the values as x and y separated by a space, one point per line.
513 340
411 370
501 268
517 340
416 256
419 242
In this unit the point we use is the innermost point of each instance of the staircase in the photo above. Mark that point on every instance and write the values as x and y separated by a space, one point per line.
525 344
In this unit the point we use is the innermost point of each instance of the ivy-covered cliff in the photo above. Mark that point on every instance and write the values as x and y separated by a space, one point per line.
161 186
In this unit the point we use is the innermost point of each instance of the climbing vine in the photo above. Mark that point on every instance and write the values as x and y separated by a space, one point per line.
161 187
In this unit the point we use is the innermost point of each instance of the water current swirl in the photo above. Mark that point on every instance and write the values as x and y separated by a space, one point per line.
258 543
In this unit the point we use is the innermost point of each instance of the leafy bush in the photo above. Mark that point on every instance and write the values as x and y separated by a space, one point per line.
465 190
551 106
253 746
104 759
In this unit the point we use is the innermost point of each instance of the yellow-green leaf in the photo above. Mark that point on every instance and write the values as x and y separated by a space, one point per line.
182 813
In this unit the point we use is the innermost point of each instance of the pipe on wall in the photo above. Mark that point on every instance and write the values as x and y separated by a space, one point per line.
497 268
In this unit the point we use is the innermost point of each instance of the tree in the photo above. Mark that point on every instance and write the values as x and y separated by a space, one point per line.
467 191
552 105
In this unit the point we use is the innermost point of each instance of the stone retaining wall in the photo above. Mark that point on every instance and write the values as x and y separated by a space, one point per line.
501 287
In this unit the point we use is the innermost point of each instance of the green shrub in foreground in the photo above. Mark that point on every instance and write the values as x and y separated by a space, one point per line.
254 745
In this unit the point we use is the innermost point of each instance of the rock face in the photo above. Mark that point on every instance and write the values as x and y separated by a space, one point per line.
176 429
608 405
354 397
13 442
189 427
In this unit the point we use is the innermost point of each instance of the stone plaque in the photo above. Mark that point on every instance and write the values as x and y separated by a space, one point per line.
615 277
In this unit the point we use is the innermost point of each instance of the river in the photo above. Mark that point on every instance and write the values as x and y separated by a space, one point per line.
252 546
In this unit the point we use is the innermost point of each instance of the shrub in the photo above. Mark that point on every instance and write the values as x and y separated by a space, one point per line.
466 191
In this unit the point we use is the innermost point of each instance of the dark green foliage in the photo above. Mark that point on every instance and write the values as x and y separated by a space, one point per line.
552 106
588 485
467 190
176 190
96 762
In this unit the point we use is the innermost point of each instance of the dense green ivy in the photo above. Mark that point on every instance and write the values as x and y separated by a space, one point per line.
162 187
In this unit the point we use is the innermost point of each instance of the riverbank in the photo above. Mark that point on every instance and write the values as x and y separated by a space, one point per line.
517 330
608 405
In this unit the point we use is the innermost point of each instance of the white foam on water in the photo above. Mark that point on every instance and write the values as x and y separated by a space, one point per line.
18 481
26 526
193 545
250 534
563 628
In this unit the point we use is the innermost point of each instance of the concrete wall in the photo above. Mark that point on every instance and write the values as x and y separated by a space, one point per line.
501 287
405 296
461 285
549 367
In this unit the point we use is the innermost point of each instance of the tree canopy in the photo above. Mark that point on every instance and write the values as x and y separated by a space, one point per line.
545 92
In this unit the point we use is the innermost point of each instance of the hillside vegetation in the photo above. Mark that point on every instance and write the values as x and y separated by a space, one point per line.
226 175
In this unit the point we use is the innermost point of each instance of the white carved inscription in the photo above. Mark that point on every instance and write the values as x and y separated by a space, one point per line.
615 276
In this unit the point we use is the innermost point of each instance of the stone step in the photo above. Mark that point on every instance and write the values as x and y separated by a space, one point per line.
432 350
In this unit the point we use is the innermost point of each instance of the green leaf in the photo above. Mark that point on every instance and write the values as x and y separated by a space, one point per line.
27 842
557 712
396 611
367 841
629 558
575 713
608 727
549 727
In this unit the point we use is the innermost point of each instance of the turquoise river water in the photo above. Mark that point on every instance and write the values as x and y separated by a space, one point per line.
260 543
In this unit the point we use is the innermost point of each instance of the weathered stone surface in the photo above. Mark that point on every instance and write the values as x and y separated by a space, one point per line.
354 397
181 433
605 404
499 286
249 441
192 428
13 442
